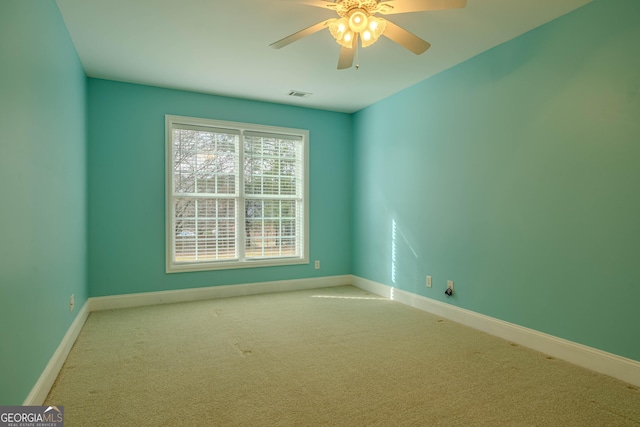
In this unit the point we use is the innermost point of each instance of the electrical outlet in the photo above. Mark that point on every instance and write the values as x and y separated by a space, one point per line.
72 303
449 290
428 281
317 265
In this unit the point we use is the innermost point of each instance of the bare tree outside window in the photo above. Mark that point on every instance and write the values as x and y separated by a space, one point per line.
271 187
205 165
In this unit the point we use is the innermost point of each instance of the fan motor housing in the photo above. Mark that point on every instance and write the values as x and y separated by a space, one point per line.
345 7
358 20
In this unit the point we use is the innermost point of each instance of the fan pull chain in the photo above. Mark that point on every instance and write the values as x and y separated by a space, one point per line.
357 55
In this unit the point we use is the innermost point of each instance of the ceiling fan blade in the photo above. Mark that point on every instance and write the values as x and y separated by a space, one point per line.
302 33
346 57
405 6
405 39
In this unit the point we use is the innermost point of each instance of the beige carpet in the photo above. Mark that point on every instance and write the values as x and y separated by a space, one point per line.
336 356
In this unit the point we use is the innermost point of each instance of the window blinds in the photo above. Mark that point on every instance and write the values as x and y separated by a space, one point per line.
222 212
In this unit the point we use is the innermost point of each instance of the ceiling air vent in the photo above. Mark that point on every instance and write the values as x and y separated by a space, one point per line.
299 94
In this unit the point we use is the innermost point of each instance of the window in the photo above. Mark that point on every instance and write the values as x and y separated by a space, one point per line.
237 195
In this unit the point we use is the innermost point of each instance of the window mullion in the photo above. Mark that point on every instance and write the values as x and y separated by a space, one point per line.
240 208
197 224
263 234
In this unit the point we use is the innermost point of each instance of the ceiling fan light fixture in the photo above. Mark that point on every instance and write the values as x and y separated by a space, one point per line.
377 25
374 30
340 31
348 38
358 20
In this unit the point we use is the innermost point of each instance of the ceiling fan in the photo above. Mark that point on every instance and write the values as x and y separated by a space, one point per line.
357 22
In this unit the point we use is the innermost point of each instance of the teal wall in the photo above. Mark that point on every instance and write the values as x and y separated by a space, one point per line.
42 190
516 174
127 193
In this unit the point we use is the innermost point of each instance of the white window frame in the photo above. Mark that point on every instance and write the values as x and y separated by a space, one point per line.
173 266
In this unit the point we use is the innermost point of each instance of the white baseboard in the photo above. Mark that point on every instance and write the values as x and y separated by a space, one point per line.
41 389
615 366
226 291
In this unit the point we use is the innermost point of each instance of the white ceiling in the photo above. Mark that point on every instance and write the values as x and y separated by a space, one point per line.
222 47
